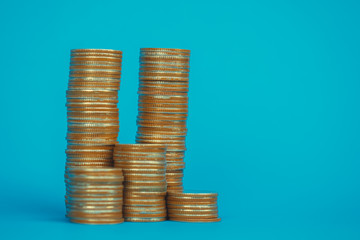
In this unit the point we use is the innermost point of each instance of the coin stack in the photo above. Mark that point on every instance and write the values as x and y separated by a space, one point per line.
192 207
94 195
144 168
92 113
163 106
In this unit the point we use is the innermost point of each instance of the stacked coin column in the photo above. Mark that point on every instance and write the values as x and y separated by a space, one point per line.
144 168
163 106
192 207
94 195
92 113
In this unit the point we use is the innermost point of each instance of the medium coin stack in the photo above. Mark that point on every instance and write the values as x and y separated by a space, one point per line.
94 195
92 113
144 168
163 106
192 207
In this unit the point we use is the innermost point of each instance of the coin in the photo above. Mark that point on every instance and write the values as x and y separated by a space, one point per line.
145 219
200 220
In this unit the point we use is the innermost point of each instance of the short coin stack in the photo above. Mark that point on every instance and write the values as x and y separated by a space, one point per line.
192 207
163 106
144 168
94 195
92 113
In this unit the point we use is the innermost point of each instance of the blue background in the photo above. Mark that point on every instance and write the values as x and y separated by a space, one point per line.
274 112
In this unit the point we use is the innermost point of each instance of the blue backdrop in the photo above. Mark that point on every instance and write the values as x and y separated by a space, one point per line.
274 112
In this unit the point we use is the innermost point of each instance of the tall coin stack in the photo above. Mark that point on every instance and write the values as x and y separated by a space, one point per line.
192 207
94 195
163 106
92 113
144 168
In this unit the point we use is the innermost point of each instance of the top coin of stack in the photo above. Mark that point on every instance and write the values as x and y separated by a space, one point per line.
93 116
163 105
